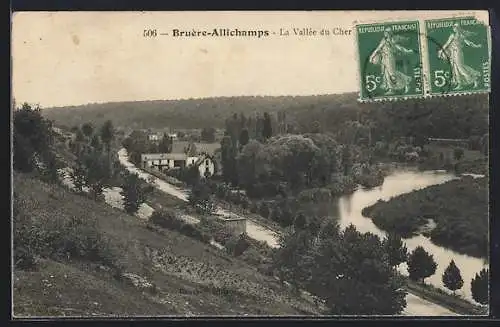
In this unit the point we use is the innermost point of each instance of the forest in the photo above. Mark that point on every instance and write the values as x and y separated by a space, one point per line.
451 117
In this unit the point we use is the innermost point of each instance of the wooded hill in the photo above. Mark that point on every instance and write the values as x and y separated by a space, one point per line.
446 117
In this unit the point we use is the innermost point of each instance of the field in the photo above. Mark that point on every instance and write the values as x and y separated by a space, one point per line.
189 277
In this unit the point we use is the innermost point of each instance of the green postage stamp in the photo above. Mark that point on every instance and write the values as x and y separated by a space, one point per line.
458 52
390 60
391 57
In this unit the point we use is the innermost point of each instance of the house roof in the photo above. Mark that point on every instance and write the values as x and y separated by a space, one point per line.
162 156
209 148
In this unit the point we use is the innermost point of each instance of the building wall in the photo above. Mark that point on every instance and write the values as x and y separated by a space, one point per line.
236 226
191 161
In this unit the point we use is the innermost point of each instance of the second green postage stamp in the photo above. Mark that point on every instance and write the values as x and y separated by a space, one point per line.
390 60
459 55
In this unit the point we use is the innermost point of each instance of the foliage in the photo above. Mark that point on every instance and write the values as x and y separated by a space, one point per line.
339 276
166 144
459 208
480 287
167 219
201 198
107 133
32 138
208 134
133 193
452 279
267 129
333 266
97 171
244 137
396 249
237 244
87 129
292 258
421 264
57 237
468 115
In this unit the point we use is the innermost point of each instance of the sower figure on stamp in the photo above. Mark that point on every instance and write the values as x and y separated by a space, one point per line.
452 51
385 55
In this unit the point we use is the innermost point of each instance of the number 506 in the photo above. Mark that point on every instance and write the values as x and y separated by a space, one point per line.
149 33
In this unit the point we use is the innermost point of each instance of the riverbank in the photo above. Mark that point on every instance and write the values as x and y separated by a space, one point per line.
459 209
449 301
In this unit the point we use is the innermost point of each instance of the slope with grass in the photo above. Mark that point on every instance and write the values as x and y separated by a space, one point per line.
85 248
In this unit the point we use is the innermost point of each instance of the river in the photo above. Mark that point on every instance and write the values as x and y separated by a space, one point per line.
350 207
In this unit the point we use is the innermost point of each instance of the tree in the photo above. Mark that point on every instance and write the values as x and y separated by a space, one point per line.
342 262
396 249
316 127
201 199
228 161
244 137
107 134
421 264
166 144
96 142
32 138
292 259
452 279
300 221
97 171
480 287
133 194
208 134
87 129
267 130
78 176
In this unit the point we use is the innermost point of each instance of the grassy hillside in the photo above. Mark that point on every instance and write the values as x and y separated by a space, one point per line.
97 245
439 117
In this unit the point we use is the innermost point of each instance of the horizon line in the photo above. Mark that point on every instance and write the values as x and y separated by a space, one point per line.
186 99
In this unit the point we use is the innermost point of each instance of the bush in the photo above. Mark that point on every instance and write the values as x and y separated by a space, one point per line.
167 219
264 210
61 239
194 232
236 245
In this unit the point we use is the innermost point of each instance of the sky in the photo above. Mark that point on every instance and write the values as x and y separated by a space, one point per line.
73 58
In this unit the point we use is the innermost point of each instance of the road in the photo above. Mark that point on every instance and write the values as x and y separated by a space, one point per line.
416 306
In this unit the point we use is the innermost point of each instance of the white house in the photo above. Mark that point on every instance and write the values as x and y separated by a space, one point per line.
165 161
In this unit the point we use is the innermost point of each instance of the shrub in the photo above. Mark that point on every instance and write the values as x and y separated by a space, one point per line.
193 231
167 219
264 210
238 244
61 239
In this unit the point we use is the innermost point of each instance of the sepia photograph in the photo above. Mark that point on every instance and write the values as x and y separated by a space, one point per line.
246 164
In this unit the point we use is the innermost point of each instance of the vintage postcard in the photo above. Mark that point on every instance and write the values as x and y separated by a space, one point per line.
180 164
